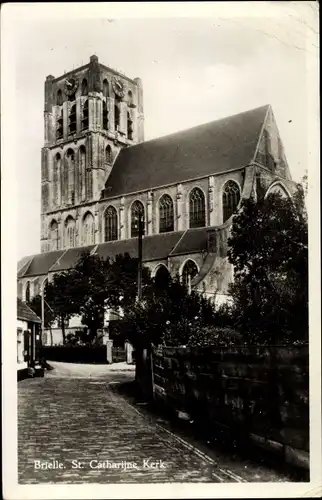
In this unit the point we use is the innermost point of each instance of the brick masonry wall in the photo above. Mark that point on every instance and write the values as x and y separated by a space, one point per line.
260 392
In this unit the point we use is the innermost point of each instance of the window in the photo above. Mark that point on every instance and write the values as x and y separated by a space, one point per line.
60 126
69 177
54 235
108 154
105 116
36 287
88 183
197 212
56 173
137 215
27 293
85 116
82 172
84 87
72 120
106 90
110 221
70 240
59 99
116 116
166 220
88 229
277 188
189 271
129 127
64 179
231 197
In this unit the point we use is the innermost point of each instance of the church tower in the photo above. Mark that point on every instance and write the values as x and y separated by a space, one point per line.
90 113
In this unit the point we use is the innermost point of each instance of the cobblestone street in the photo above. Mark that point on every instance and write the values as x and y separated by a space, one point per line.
73 417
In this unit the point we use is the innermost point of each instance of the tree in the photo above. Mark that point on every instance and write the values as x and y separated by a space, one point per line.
59 296
167 315
89 288
96 284
268 248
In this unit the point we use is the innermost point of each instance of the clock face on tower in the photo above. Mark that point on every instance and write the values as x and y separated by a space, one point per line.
118 87
71 85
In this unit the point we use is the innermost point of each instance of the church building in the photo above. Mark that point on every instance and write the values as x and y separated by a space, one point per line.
98 174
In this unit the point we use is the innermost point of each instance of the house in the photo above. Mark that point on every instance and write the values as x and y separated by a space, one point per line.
28 338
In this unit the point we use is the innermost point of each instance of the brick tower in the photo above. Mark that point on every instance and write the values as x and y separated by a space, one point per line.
90 113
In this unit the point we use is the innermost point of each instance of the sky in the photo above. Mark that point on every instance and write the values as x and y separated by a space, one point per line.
194 69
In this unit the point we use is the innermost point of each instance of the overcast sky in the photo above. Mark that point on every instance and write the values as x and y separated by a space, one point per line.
194 70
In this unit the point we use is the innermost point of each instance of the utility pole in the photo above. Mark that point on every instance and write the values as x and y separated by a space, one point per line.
43 309
140 238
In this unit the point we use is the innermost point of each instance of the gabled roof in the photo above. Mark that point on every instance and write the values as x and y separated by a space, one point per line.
24 313
208 149
42 262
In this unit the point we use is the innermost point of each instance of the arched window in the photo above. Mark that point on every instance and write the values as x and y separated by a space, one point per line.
116 116
56 173
230 199
197 211
85 116
72 120
88 183
84 87
36 287
106 90
277 188
59 99
88 229
137 216
189 271
108 154
166 214
69 178
129 127
162 277
82 173
70 233
60 125
54 235
105 116
27 294
64 178
110 224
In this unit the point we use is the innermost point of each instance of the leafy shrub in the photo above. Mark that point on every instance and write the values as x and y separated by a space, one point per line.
214 336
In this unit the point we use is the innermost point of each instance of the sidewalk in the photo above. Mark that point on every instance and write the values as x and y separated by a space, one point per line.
78 370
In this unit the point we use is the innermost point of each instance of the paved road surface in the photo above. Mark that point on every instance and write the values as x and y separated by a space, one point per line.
73 419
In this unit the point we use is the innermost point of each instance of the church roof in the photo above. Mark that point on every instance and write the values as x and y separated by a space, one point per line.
209 149
41 263
154 247
69 258
24 313
192 241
